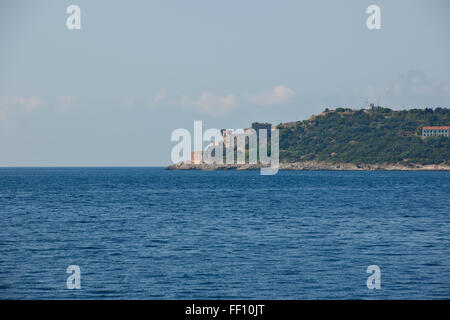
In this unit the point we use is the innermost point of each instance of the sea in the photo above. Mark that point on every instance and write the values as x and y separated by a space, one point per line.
149 233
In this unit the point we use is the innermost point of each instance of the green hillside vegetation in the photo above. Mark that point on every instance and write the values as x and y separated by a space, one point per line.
375 136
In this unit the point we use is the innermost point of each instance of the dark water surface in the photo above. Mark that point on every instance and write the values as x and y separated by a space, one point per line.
147 233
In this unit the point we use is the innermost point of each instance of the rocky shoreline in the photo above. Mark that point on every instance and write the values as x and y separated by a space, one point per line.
313 165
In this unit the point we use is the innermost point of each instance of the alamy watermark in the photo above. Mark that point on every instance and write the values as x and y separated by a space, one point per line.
74 280
374 280
228 146
73 22
374 20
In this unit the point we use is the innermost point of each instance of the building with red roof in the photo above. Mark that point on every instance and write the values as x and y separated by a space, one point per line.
436 131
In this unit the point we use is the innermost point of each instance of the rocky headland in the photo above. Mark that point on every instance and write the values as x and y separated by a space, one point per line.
312 165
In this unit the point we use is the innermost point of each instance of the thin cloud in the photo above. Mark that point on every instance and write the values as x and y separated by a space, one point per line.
412 89
65 102
27 103
278 95
9 104
211 104
130 102
160 96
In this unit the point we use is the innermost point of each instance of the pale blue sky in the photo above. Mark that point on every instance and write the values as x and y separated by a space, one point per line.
112 92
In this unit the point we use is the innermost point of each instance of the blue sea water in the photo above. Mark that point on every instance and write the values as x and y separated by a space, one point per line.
147 233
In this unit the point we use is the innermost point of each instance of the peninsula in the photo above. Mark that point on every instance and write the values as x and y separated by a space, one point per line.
373 138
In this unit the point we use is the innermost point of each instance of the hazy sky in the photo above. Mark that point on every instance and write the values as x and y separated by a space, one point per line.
112 92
